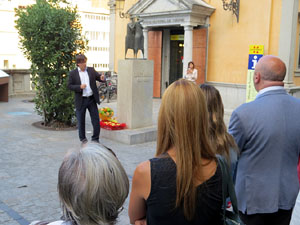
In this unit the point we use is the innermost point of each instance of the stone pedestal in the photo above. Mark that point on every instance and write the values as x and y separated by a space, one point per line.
135 91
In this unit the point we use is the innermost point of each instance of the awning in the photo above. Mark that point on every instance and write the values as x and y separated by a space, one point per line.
3 74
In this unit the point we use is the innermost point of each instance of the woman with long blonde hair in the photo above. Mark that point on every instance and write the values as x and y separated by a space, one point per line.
182 184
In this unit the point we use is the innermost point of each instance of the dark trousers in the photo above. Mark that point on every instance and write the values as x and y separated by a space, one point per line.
281 217
90 104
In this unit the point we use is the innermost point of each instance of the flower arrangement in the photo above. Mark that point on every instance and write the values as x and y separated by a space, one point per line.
106 113
107 122
112 125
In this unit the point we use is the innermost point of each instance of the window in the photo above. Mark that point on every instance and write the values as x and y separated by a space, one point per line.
5 64
96 17
97 49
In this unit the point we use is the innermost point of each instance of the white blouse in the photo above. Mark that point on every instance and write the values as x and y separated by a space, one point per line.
191 76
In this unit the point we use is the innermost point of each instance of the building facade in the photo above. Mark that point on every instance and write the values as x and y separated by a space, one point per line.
11 57
94 18
217 40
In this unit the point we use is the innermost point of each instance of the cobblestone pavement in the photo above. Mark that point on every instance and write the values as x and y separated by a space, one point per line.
30 159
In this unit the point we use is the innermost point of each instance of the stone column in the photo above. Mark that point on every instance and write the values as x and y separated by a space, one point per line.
135 91
188 46
165 60
287 38
145 33
112 23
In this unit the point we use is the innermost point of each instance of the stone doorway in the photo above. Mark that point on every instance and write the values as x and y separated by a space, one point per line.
159 18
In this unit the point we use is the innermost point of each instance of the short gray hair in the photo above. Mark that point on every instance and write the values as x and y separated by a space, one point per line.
92 186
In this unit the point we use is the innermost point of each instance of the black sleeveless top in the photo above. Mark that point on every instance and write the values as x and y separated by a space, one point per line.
161 201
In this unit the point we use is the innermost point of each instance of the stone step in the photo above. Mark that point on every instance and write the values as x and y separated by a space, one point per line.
131 136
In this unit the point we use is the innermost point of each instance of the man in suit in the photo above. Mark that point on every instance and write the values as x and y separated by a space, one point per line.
267 132
82 81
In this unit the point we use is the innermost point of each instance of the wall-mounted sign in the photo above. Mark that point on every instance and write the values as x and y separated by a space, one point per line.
253 59
164 21
256 49
250 89
177 37
255 53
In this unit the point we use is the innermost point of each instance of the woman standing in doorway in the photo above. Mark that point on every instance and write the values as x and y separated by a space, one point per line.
191 73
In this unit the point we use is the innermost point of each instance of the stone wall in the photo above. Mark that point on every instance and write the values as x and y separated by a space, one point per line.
234 95
19 83
294 91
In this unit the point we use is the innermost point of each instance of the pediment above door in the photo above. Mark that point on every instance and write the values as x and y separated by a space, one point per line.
171 12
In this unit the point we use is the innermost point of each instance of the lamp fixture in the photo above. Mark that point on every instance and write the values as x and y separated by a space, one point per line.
232 5
120 7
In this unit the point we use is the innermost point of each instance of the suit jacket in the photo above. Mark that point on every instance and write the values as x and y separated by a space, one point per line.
267 132
75 82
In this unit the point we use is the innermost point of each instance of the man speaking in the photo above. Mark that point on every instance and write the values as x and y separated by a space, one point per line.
82 81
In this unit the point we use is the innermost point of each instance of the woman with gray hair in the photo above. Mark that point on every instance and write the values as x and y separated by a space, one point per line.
92 187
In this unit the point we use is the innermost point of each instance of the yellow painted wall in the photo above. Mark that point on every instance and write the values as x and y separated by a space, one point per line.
228 41
100 4
103 4
96 3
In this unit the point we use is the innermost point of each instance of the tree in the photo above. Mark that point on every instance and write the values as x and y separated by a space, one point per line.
50 37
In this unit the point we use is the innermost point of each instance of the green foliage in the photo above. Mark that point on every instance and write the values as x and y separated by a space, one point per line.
50 38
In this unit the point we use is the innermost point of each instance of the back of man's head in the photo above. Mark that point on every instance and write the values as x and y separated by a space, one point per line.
271 68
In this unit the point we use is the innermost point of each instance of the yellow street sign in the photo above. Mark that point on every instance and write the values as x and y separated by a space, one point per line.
256 49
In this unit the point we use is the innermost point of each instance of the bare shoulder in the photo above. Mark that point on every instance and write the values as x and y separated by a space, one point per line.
141 181
143 168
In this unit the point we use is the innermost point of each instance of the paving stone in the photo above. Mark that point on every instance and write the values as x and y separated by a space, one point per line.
4 218
31 156
11 222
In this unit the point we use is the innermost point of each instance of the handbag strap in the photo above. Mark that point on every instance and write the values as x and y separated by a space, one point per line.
227 186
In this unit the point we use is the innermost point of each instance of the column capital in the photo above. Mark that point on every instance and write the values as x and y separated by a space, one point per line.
188 27
145 29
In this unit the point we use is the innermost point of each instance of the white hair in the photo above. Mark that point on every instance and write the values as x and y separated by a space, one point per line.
92 186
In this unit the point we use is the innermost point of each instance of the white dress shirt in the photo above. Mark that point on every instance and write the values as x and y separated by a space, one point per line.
84 78
272 88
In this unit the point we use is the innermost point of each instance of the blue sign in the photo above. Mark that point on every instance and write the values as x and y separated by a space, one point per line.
253 59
